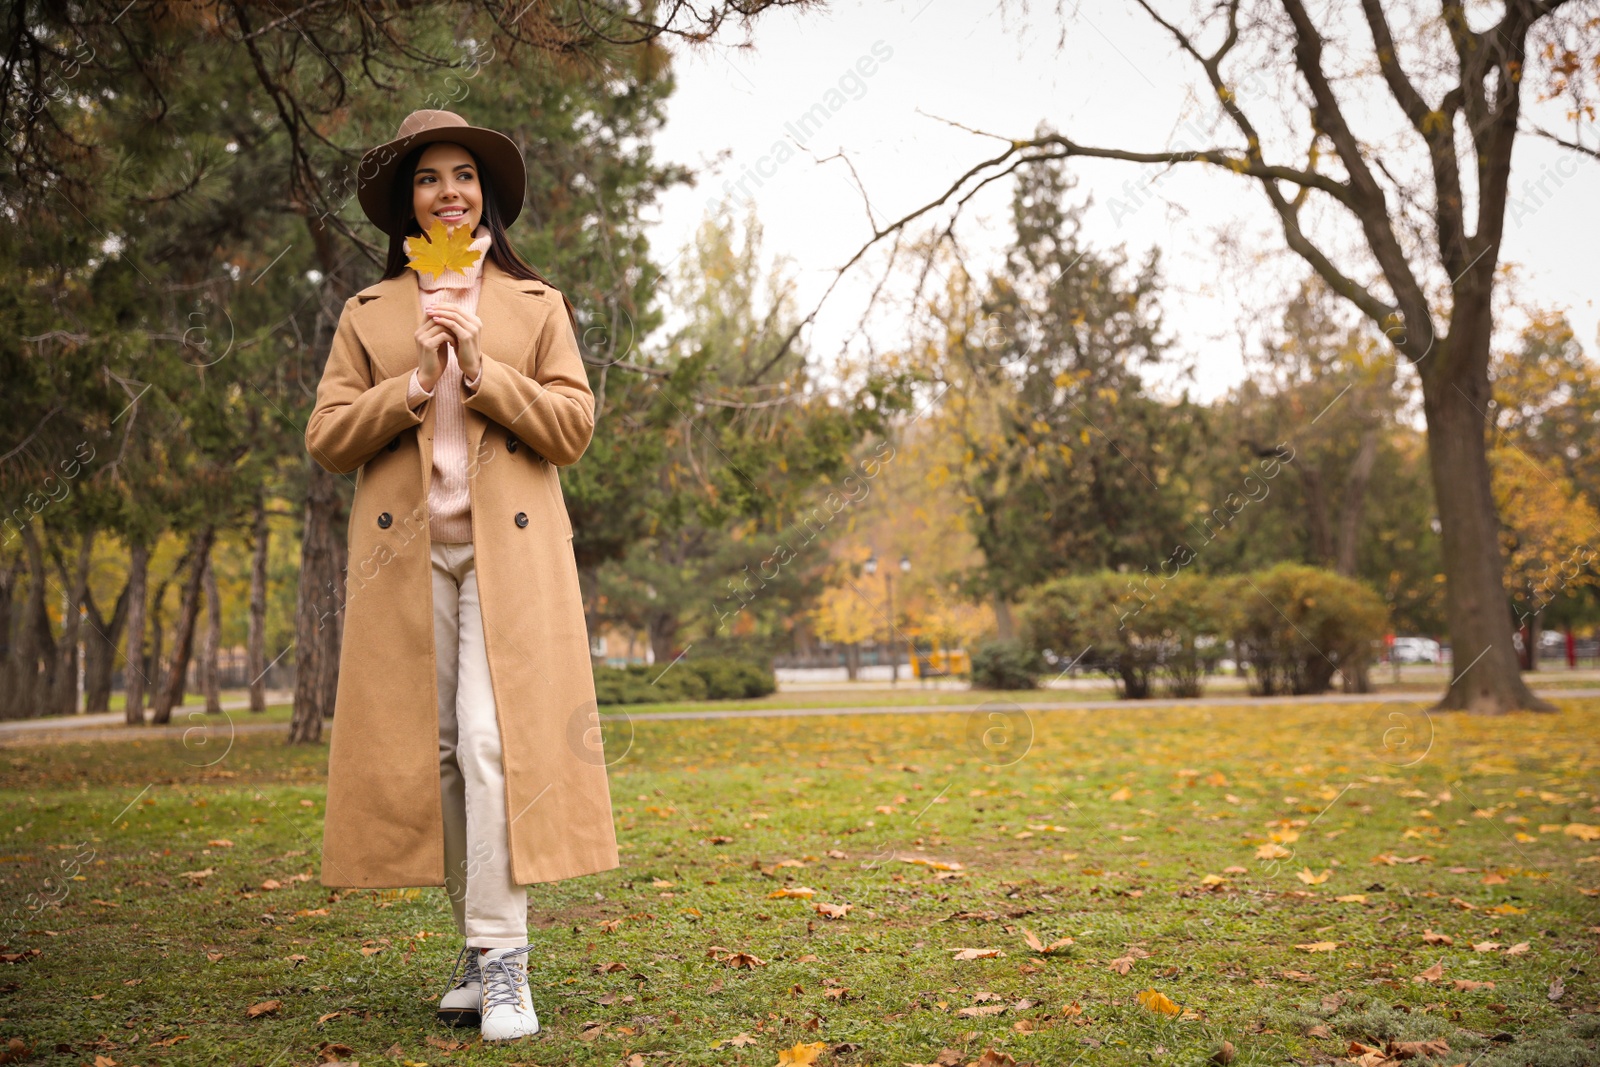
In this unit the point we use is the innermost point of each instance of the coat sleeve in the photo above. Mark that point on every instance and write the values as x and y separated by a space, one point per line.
353 417
553 411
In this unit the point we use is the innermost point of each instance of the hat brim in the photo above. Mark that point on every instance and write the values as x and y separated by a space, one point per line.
496 153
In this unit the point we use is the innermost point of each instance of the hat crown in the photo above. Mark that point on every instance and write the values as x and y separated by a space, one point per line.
428 119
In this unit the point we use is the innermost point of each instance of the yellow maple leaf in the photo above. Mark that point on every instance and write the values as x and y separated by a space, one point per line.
804 892
1157 1001
441 250
1313 879
801 1055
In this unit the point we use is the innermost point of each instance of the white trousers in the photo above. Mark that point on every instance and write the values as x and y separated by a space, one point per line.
491 909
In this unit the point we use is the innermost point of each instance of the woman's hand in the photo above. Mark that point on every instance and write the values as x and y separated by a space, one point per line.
464 328
432 338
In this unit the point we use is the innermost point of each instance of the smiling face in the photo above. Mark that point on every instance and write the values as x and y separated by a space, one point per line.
445 188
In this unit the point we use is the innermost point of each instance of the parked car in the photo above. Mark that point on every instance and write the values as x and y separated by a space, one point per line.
1414 650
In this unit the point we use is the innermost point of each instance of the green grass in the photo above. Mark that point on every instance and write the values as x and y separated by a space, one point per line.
132 952
1415 681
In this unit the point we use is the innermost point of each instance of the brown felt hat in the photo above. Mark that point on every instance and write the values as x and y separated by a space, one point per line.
497 154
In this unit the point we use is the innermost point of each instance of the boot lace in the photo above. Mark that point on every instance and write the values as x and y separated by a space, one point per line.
501 976
470 974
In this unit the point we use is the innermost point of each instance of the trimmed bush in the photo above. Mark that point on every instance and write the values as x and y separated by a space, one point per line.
1298 626
1134 631
691 678
1301 627
1005 664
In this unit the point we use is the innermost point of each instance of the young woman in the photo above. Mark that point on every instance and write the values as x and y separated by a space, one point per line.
466 750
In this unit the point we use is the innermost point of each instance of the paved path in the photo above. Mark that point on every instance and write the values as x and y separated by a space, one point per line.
199 728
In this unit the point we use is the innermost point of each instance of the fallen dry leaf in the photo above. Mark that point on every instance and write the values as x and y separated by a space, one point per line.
975 953
1432 974
994 1058
1156 1001
1040 947
1409 1050
801 1055
263 1008
982 1009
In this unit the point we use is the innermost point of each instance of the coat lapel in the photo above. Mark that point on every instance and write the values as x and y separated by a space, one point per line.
389 313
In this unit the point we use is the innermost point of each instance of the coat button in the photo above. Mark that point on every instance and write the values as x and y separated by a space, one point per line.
511 443
394 444
522 518
384 520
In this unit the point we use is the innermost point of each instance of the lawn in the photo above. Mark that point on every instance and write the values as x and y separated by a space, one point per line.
1309 884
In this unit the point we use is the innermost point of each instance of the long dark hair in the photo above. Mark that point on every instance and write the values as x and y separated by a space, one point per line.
404 224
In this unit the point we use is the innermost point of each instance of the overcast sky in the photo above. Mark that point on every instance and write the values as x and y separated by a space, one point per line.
1115 81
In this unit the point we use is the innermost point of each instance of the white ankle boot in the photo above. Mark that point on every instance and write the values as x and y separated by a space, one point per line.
507 1011
462 1000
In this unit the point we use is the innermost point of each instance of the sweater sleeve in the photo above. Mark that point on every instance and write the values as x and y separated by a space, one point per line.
354 416
552 410
415 393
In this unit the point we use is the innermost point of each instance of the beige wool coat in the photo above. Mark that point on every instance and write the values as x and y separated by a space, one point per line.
533 411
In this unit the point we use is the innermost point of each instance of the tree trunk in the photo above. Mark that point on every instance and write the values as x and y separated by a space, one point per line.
1314 494
317 608
100 650
1355 499
852 660
211 643
134 679
64 692
256 641
1483 659
1005 627
335 636
9 680
36 644
663 637
170 695
1535 632
158 634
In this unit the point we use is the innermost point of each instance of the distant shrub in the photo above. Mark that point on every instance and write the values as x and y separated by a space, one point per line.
1298 626
1005 664
1135 633
691 678
1302 626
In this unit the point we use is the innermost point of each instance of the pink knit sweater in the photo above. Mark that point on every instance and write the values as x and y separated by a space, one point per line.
449 504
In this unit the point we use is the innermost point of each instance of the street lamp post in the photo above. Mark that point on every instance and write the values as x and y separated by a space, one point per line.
871 567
